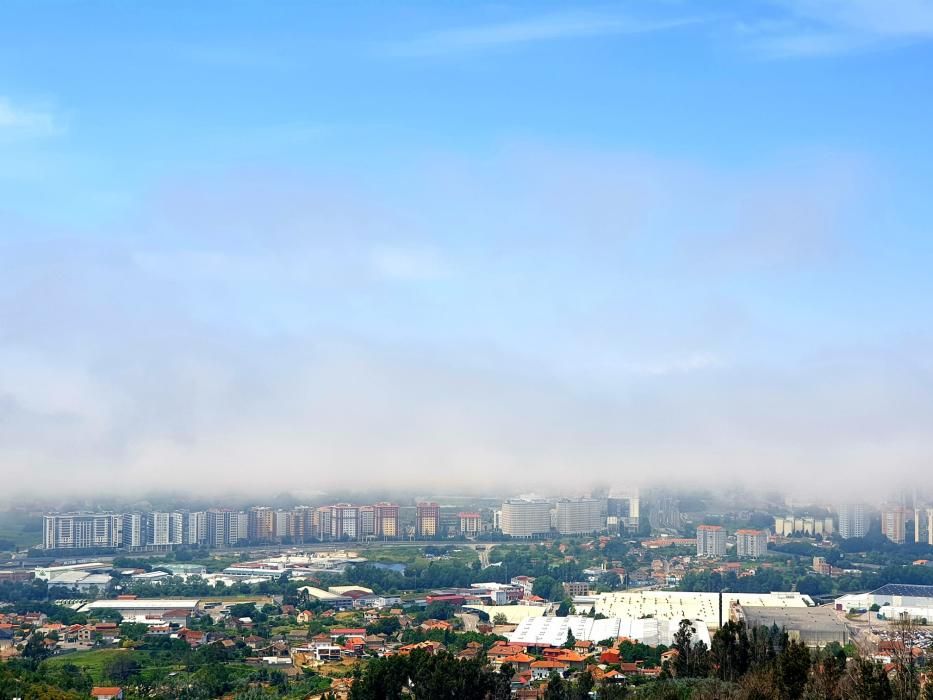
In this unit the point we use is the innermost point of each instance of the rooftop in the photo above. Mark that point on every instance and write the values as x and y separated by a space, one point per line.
908 590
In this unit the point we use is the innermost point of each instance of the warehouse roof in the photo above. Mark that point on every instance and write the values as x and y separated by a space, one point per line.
908 590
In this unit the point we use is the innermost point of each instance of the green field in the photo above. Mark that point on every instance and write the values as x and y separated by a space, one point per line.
153 663
94 660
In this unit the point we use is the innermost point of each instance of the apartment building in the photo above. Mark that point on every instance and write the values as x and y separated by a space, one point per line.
470 524
893 523
82 531
525 517
711 541
853 520
427 519
386 520
751 544
579 516
260 526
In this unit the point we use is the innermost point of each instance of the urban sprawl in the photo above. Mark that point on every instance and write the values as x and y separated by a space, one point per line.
619 595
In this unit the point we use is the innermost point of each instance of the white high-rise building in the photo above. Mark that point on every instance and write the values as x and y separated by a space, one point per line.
158 529
923 525
579 516
195 528
751 544
711 541
134 530
853 520
526 518
82 531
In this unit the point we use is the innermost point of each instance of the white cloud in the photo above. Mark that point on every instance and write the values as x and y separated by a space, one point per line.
568 25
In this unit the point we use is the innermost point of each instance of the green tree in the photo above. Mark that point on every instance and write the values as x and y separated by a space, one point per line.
122 669
556 687
731 651
571 640
866 680
793 667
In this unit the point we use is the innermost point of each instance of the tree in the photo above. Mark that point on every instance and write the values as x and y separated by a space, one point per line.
582 686
866 680
693 658
500 619
571 640
556 687
565 608
731 651
547 587
35 651
793 668
122 669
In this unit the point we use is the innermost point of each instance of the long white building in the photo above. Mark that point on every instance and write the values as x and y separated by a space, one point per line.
526 518
553 631
579 516
82 531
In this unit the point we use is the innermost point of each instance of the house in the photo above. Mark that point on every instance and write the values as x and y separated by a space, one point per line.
610 656
194 638
669 656
520 662
571 658
347 632
431 647
442 625
541 670
107 693
304 617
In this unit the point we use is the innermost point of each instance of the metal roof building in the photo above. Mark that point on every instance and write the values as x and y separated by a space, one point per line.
815 627
553 631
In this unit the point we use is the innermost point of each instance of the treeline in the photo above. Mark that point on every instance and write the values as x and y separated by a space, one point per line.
449 573
764 581
764 664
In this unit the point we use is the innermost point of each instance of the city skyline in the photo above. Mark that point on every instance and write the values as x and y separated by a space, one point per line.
312 246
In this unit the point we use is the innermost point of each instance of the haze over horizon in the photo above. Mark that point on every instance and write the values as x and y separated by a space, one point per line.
430 247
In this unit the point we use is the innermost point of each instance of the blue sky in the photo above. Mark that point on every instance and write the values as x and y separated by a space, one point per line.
415 240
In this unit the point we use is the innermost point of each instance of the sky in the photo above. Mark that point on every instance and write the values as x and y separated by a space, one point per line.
489 245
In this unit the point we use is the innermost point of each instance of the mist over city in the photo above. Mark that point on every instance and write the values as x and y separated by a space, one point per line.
487 350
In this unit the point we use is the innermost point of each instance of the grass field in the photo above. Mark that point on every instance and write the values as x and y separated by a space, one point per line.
95 660
152 663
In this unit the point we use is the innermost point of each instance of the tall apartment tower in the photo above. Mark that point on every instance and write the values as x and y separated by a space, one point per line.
923 525
893 523
82 531
344 522
751 544
579 516
367 518
226 528
195 528
135 532
711 541
525 518
260 524
158 529
853 520
427 519
386 520
470 523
